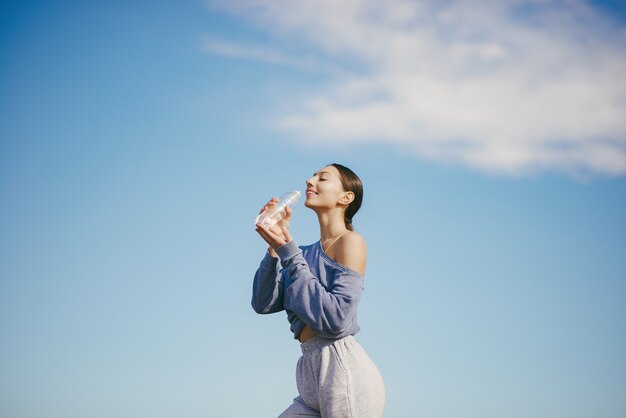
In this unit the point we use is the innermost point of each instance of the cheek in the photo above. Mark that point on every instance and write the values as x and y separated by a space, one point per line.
332 194
329 190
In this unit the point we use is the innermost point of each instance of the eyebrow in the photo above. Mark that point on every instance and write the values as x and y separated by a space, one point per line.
323 172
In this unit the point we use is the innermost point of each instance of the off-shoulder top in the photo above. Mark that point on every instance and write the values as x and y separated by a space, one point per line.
311 287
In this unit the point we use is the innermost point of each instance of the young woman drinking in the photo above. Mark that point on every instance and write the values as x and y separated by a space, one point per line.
319 286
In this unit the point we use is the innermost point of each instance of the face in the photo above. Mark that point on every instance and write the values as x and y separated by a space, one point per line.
324 189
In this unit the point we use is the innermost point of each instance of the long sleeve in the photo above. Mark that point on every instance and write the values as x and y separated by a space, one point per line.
330 312
267 289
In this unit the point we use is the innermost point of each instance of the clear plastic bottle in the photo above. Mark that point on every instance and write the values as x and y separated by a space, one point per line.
271 216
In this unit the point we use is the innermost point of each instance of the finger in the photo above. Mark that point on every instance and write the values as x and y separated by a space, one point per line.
263 233
267 234
273 239
263 230
282 224
288 212
266 207
287 235
286 219
269 204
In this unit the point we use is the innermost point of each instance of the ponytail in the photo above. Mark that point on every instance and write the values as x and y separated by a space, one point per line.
351 183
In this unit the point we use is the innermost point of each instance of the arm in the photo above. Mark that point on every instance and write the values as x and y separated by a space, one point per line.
328 312
267 289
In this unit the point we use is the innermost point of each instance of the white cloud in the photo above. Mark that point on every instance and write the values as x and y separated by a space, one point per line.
503 86
219 46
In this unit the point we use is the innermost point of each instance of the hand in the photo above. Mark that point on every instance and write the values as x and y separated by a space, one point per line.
269 204
278 235
284 221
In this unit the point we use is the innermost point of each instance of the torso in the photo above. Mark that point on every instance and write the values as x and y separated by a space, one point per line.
307 333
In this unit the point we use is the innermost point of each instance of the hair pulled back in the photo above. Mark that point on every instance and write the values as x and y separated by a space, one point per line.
351 183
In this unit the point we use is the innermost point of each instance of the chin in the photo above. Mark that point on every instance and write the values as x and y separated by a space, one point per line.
311 205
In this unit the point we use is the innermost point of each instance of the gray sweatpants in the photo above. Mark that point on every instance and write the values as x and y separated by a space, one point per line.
337 379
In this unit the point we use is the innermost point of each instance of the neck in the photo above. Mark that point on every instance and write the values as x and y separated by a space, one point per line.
331 224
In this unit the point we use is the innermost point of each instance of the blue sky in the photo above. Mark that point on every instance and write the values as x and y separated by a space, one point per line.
137 143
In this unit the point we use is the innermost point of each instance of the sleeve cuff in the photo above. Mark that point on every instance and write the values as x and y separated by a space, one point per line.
288 250
268 262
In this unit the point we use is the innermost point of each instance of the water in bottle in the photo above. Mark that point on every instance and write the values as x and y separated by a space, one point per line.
272 215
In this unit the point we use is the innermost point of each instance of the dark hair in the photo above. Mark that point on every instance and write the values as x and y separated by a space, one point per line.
351 183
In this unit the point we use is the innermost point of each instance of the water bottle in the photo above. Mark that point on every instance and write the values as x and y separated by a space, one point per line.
272 215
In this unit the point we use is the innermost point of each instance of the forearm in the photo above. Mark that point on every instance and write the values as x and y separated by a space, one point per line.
267 289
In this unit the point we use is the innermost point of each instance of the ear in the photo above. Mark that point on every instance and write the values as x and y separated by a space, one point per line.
346 198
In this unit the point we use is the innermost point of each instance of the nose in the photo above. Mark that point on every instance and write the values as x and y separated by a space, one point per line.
309 183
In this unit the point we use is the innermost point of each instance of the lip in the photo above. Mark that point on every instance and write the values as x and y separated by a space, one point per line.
310 192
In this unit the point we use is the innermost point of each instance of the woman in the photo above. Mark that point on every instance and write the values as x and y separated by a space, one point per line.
320 286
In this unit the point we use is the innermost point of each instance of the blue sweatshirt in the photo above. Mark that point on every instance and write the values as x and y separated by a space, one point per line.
311 287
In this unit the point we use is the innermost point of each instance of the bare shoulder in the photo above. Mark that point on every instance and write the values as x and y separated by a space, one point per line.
351 251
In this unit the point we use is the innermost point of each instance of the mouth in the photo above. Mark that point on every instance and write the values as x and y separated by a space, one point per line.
310 193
